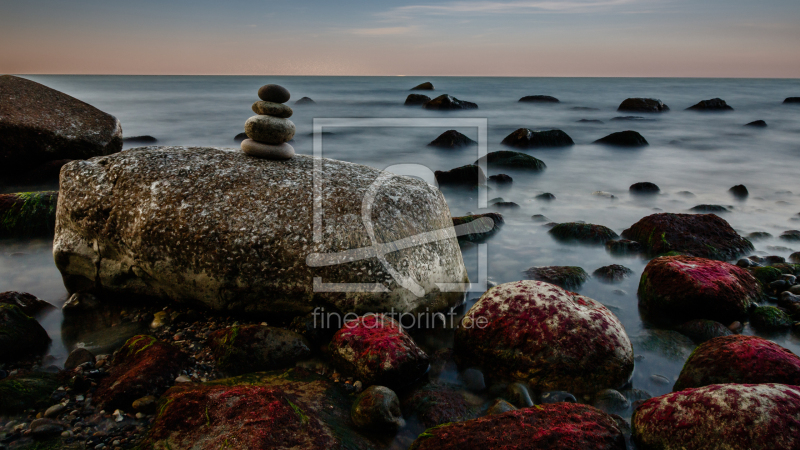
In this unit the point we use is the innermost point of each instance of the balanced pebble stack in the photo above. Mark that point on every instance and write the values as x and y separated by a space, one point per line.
270 130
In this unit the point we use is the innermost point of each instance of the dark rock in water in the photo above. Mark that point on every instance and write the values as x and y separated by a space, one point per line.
476 227
513 160
274 93
445 102
567 277
644 187
590 121
538 99
518 394
557 397
452 139
527 138
710 209
547 197
508 205
630 119
739 359
715 104
27 303
375 350
426 86
585 233
665 343
28 214
253 348
436 404
470 175
39 124
613 273
770 318
142 366
792 100
139 140
272 109
756 235
701 330
416 99
623 247
21 392
473 380
584 108
77 357
681 288
757 123
500 406
240 137
703 235
539 218
791 235
305 101
501 178
624 139
739 191
649 105
20 335
377 408
272 410
556 426
46 173
795 257
46 428
610 401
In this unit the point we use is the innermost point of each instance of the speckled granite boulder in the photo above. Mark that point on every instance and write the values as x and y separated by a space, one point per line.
39 124
555 426
235 233
739 359
548 337
376 350
681 288
721 416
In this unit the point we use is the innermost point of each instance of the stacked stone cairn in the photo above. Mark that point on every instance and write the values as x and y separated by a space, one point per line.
270 131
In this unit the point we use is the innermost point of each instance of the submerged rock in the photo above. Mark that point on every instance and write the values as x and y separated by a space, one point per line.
585 233
546 197
513 160
739 191
715 104
20 335
27 303
469 175
703 235
77 357
235 233
623 247
613 273
650 105
792 100
426 86
253 348
791 235
666 343
436 404
444 102
681 288
710 209
701 330
377 408
499 406
795 257
451 139
739 359
624 139
527 138
567 277
305 101
501 179
39 124
757 123
644 187
21 392
538 99
416 99
140 140
556 426
550 338
375 350
479 230
610 401
274 93
28 214
720 416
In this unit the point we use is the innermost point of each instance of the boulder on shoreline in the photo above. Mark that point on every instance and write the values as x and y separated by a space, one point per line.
538 99
527 138
20 335
219 228
649 105
451 139
584 233
715 104
448 102
513 160
624 139
546 336
416 99
39 124
253 348
28 214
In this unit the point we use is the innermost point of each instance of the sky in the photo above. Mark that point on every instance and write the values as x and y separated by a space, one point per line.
600 38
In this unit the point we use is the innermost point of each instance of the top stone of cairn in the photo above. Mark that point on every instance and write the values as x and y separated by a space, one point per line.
274 93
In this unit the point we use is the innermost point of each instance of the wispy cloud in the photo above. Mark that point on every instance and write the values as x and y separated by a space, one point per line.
382 31
514 7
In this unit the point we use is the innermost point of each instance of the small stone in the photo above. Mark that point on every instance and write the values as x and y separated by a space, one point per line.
54 411
610 401
274 93
358 386
145 404
77 357
46 428
499 407
269 130
377 407
272 109
739 191
119 416
539 218
140 416
66 434
160 319
546 197
183 379
644 187
518 394
256 149
557 396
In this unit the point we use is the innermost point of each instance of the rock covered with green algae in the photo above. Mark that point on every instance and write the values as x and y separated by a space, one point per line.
254 348
585 233
739 359
376 350
702 235
567 277
721 416
28 214
272 410
21 392
513 160
28 303
613 273
555 426
140 367
770 318
435 404
20 335
217 227
667 343
546 336
681 288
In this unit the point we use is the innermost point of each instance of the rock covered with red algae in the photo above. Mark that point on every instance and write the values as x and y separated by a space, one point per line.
555 426
263 411
739 359
376 350
550 338
140 367
703 235
680 288
721 416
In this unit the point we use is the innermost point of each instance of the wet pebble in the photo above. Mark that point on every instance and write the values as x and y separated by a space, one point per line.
660 379
557 396
473 380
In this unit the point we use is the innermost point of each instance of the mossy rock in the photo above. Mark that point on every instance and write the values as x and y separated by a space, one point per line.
770 318
23 392
514 160
20 334
585 233
766 275
28 214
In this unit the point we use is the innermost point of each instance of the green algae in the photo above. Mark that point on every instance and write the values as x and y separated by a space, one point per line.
29 214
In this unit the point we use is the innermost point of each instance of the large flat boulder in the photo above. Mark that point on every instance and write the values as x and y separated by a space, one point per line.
39 124
235 233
